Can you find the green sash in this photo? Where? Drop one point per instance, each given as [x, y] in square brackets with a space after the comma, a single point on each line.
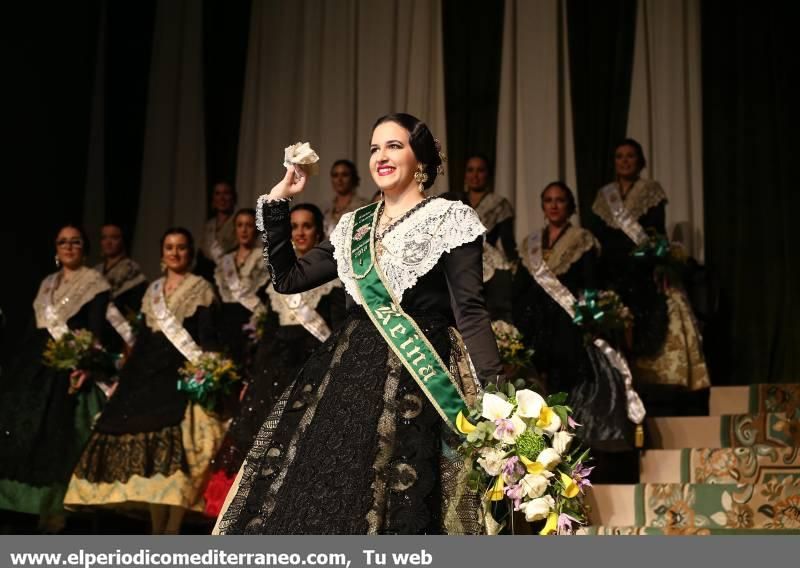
[399, 330]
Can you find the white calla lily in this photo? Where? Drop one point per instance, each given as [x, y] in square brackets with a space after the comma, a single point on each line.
[529, 403]
[495, 407]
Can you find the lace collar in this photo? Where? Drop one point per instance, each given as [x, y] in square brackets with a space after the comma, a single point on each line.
[567, 250]
[643, 196]
[282, 303]
[225, 236]
[123, 276]
[413, 246]
[70, 297]
[493, 209]
[193, 292]
[493, 260]
[252, 274]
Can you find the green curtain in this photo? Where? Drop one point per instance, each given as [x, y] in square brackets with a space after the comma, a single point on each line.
[600, 38]
[473, 40]
[751, 198]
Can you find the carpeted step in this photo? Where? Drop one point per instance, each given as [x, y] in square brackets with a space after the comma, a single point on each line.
[675, 531]
[728, 431]
[771, 505]
[756, 464]
[754, 399]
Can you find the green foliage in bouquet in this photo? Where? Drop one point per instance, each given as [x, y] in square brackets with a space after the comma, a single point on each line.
[207, 380]
[601, 313]
[669, 259]
[77, 350]
[513, 353]
[518, 444]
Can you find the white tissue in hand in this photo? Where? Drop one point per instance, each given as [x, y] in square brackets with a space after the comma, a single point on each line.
[302, 157]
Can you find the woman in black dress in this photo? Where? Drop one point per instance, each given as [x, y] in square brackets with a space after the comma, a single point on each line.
[44, 426]
[292, 327]
[558, 263]
[356, 445]
[151, 447]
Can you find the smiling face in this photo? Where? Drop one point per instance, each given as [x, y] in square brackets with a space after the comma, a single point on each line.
[304, 231]
[392, 162]
[476, 174]
[176, 254]
[555, 204]
[627, 163]
[342, 180]
[245, 230]
[111, 243]
[69, 247]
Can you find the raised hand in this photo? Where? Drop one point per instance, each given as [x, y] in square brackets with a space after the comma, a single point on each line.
[292, 183]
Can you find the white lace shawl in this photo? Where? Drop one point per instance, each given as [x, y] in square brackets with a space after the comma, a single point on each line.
[413, 247]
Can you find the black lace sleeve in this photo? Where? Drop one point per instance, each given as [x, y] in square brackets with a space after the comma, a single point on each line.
[289, 273]
[97, 323]
[463, 268]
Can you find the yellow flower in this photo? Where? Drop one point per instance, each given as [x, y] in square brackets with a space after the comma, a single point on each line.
[533, 467]
[464, 426]
[571, 488]
[551, 526]
[496, 492]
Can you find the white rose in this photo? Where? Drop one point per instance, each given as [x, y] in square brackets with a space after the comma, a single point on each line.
[549, 458]
[491, 461]
[495, 407]
[535, 485]
[561, 441]
[529, 403]
[554, 425]
[537, 509]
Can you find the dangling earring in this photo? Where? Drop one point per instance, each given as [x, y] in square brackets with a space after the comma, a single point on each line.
[58, 262]
[421, 176]
[163, 266]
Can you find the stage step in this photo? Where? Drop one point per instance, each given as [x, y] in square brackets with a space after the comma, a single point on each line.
[771, 505]
[757, 464]
[675, 531]
[754, 399]
[727, 431]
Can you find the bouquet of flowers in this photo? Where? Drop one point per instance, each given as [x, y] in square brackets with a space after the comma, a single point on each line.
[513, 353]
[521, 445]
[208, 379]
[255, 328]
[601, 313]
[669, 258]
[78, 351]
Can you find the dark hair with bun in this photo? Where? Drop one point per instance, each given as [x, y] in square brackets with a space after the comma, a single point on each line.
[421, 140]
[636, 146]
[179, 231]
[86, 248]
[571, 205]
[316, 213]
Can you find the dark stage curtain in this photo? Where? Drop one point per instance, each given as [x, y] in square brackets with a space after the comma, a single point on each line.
[751, 197]
[226, 27]
[129, 41]
[48, 81]
[600, 37]
[473, 40]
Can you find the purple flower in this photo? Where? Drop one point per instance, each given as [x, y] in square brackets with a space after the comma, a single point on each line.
[504, 426]
[515, 493]
[565, 524]
[581, 475]
[572, 423]
[513, 469]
